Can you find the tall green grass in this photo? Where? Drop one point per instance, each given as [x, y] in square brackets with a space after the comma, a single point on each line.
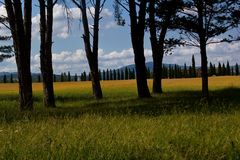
[175, 125]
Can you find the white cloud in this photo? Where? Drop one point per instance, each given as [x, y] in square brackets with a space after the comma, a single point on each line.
[76, 62]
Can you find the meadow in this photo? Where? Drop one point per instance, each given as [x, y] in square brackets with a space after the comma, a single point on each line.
[175, 125]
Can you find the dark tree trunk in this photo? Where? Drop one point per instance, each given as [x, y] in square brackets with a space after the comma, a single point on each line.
[204, 69]
[92, 53]
[202, 36]
[21, 33]
[137, 37]
[157, 47]
[46, 25]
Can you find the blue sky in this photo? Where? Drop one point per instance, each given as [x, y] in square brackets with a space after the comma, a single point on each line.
[114, 48]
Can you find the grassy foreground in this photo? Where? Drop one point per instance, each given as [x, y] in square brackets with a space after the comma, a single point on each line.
[175, 125]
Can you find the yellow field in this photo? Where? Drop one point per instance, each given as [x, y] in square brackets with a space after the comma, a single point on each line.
[168, 85]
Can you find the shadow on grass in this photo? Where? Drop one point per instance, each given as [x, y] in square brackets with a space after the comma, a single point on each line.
[222, 101]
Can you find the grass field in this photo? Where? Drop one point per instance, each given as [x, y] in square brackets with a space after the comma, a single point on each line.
[175, 125]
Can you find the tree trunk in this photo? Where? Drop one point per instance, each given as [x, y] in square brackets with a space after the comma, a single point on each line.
[21, 33]
[204, 68]
[46, 25]
[92, 53]
[203, 51]
[137, 37]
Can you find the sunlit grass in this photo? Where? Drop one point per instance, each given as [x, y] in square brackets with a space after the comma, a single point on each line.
[175, 125]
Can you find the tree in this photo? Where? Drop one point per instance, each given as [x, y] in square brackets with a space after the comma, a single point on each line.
[126, 73]
[118, 75]
[4, 78]
[228, 70]
[39, 78]
[219, 69]
[201, 21]
[108, 74]
[114, 74]
[223, 70]
[20, 25]
[237, 69]
[161, 15]
[92, 52]
[122, 75]
[104, 75]
[11, 78]
[46, 29]
[194, 74]
[137, 13]
[75, 77]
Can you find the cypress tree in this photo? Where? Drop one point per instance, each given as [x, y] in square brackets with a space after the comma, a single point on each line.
[54, 78]
[237, 69]
[107, 74]
[114, 74]
[214, 70]
[224, 71]
[232, 71]
[39, 78]
[190, 72]
[185, 71]
[69, 77]
[11, 78]
[100, 75]
[194, 74]
[75, 77]
[111, 75]
[89, 76]
[4, 79]
[228, 69]
[126, 74]
[104, 75]
[219, 69]
[122, 75]
[118, 74]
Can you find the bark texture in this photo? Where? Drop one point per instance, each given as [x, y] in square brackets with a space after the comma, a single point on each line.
[137, 37]
[46, 29]
[21, 24]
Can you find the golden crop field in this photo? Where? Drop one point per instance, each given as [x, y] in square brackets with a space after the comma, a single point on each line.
[168, 85]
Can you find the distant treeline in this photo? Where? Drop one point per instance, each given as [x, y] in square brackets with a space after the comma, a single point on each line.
[170, 72]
